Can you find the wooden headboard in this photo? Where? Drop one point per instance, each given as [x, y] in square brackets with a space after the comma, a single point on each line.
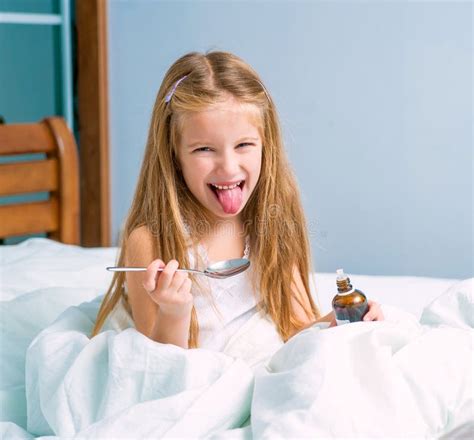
[57, 173]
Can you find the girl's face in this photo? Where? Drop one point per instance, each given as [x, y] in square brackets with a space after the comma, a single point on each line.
[220, 155]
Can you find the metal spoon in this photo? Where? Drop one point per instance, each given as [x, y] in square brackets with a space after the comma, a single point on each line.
[221, 269]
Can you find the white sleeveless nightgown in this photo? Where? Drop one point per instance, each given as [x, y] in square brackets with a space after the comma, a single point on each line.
[233, 298]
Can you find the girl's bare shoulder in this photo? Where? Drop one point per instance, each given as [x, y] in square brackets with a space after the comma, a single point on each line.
[139, 246]
[140, 234]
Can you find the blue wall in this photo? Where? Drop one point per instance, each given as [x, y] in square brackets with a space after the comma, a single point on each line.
[375, 100]
[30, 79]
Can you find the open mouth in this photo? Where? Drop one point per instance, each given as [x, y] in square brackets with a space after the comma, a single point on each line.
[214, 189]
[230, 197]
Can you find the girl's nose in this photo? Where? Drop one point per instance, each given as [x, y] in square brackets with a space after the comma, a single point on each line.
[228, 162]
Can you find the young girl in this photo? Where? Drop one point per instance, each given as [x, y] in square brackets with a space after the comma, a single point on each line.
[215, 184]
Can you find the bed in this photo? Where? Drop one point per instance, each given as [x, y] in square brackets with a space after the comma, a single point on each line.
[409, 376]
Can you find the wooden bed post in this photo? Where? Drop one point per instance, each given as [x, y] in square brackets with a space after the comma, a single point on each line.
[57, 174]
[91, 22]
[68, 193]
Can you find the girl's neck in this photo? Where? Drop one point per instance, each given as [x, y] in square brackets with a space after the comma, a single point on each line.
[225, 240]
[227, 228]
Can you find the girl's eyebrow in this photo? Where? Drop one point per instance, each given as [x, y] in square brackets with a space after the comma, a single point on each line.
[247, 138]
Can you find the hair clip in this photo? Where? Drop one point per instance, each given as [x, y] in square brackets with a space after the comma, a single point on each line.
[176, 84]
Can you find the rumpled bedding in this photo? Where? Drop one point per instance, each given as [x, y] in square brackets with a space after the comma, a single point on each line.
[380, 379]
[124, 385]
[383, 379]
[403, 377]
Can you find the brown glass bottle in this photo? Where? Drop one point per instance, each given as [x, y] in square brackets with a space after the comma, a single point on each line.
[349, 305]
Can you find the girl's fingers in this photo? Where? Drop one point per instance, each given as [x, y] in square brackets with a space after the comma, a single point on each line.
[166, 276]
[185, 288]
[178, 279]
[149, 284]
[374, 313]
[166, 279]
[170, 289]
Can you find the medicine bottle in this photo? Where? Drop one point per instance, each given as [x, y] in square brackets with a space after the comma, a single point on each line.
[349, 305]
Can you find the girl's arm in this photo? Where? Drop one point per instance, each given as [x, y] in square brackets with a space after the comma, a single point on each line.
[161, 302]
[299, 297]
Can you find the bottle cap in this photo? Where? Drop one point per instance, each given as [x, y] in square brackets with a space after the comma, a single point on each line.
[344, 286]
[340, 274]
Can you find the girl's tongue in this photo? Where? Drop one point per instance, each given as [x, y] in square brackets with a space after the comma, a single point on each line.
[230, 199]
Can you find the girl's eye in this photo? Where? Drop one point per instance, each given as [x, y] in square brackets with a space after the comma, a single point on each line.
[204, 149]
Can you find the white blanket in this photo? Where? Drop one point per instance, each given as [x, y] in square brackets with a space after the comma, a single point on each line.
[379, 379]
[396, 378]
[122, 384]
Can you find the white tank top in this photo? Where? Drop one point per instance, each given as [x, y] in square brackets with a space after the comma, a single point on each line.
[232, 297]
[220, 315]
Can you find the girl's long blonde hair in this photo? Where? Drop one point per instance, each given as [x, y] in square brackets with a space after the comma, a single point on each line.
[273, 217]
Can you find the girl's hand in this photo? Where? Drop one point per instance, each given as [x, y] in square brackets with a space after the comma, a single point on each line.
[374, 313]
[169, 289]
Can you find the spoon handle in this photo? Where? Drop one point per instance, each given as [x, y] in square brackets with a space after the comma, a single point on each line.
[143, 269]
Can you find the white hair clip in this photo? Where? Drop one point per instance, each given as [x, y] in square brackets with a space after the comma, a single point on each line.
[176, 84]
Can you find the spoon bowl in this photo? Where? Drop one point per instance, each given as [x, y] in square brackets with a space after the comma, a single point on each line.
[219, 270]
